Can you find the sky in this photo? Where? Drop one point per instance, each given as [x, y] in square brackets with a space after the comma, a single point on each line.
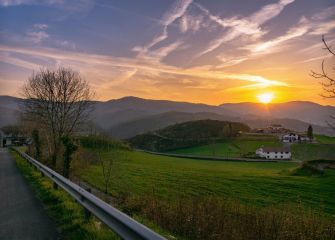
[208, 51]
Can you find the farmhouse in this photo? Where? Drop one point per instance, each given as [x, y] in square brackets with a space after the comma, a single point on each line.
[294, 137]
[274, 152]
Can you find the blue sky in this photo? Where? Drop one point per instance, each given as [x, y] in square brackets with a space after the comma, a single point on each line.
[185, 50]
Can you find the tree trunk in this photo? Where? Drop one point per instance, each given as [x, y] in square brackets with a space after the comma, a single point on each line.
[54, 156]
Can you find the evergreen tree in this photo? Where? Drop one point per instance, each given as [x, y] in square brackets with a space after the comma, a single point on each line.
[37, 143]
[70, 148]
[310, 132]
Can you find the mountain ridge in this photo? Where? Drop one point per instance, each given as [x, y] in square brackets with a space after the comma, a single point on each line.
[158, 113]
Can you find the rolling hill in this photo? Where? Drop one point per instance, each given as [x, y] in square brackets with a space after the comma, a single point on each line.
[158, 121]
[187, 134]
[129, 116]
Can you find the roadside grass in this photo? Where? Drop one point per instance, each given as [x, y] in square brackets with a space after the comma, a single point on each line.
[216, 218]
[237, 147]
[259, 184]
[65, 212]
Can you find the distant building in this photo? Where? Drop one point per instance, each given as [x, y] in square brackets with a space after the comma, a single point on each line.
[5, 140]
[274, 153]
[8, 139]
[276, 127]
[294, 137]
[272, 129]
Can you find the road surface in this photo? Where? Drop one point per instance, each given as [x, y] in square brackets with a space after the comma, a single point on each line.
[21, 213]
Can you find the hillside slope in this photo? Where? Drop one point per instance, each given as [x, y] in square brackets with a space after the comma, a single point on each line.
[158, 121]
[187, 134]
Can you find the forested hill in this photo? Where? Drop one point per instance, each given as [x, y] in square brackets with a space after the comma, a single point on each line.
[187, 134]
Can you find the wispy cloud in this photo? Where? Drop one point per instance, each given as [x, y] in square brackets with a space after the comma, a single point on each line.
[91, 64]
[270, 46]
[236, 27]
[41, 26]
[191, 23]
[71, 6]
[176, 11]
[37, 33]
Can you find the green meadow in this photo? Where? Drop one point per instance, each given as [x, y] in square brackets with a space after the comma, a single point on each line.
[245, 146]
[237, 147]
[257, 184]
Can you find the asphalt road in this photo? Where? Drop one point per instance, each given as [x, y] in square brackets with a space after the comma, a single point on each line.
[21, 214]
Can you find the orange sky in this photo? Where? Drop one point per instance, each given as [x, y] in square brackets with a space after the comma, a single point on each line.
[183, 50]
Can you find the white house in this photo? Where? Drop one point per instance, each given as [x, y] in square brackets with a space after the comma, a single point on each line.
[274, 152]
[294, 137]
[290, 138]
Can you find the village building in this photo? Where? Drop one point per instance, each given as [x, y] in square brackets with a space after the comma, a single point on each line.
[274, 153]
[8, 139]
[5, 140]
[294, 138]
[276, 127]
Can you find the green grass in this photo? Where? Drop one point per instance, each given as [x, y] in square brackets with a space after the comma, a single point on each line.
[239, 147]
[66, 213]
[308, 151]
[325, 139]
[260, 184]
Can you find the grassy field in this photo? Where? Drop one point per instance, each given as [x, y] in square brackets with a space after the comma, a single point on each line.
[325, 139]
[238, 147]
[246, 145]
[307, 151]
[260, 184]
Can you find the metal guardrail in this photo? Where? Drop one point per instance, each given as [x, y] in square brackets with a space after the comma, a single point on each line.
[120, 223]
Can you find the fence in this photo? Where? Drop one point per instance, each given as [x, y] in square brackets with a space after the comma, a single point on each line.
[120, 223]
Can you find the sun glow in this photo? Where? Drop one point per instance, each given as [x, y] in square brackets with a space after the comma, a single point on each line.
[265, 97]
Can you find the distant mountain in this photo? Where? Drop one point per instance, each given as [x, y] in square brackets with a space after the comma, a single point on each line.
[129, 116]
[114, 112]
[161, 120]
[9, 110]
[304, 111]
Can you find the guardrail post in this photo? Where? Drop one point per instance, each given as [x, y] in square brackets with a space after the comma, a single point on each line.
[87, 213]
[55, 186]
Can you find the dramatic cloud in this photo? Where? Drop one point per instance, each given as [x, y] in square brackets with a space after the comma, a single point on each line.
[243, 26]
[209, 52]
[176, 11]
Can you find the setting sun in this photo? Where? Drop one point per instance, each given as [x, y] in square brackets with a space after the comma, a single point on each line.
[265, 97]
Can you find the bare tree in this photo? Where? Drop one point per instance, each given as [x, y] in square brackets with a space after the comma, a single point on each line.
[59, 101]
[327, 79]
[106, 164]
